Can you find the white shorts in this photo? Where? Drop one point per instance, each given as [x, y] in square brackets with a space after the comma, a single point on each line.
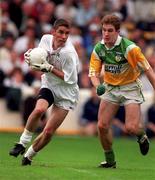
[125, 94]
[65, 97]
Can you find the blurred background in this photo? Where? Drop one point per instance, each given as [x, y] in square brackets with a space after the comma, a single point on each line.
[22, 24]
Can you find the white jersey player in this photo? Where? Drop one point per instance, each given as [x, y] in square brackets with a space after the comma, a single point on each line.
[59, 87]
[65, 91]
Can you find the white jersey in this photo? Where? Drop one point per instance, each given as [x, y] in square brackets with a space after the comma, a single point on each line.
[66, 60]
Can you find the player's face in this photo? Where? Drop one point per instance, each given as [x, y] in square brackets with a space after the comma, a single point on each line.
[60, 35]
[109, 34]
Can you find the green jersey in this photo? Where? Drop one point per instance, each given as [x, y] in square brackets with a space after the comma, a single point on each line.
[122, 63]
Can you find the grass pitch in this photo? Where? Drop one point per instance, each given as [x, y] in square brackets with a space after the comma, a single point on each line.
[77, 158]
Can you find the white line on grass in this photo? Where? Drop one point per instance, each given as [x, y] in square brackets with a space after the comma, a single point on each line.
[84, 171]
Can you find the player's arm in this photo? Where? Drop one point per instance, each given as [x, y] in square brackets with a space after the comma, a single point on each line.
[100, 88]
[48, 68]
[44, 67]
[151, 76]
[70, 66]
[137, 59]
[95, 67]
[95, 81]
[58, 73]
[94, 73]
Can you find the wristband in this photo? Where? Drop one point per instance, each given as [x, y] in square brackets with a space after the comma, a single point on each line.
[100, 89]
[51, 68]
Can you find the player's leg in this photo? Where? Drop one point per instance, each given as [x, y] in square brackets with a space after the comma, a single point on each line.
[57, 117]
[45, 99]
[107, 111]
[135, 126]
[32, 122]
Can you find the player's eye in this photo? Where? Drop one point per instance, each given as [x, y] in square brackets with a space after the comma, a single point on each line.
[108, 30]
[61, 32]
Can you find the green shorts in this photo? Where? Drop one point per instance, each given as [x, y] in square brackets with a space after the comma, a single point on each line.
[125, 94]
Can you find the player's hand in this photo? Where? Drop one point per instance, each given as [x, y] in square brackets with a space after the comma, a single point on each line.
[100, 89]
[45, 67]
[27, 56]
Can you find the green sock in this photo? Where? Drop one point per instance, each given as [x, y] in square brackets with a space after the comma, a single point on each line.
[110, 156]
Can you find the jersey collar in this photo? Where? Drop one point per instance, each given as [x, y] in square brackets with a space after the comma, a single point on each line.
[117, 42]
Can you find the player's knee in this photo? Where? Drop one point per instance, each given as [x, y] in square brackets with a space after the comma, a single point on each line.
[48, 133]
[103, 127]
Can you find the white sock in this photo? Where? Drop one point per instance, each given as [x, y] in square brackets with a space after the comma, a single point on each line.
[30, 153]
[25, 137]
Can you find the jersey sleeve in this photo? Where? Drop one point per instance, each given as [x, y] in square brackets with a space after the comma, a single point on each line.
[95, 65]
[137, 59]
[70, 68]
[44, 42]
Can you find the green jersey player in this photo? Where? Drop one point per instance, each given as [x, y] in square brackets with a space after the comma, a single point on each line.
[123, 63]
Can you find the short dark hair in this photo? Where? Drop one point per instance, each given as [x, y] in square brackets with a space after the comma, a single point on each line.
[111, 19]
[61, 22]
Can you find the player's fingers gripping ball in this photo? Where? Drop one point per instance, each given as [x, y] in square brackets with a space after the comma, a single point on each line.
[38, 56]
[45, 67]
[27, 56]
[100, 89]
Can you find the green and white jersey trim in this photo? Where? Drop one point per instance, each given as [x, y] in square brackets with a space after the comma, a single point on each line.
[129, 48]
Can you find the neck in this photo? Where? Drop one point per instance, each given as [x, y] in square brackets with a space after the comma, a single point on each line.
[109, 45]
[54, 45]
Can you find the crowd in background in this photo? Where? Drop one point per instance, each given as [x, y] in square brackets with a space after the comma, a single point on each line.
[23, 22]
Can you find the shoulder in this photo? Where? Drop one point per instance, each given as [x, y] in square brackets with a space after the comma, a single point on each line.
[68, 48]
[99, 48]
[99, 45]
[126, 42]
[128, 45]
[46, 37]
[45, 41]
